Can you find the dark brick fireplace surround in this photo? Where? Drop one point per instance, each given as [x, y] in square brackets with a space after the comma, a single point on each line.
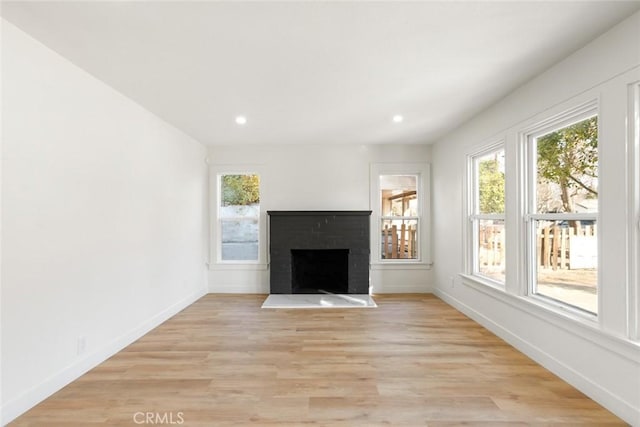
[315, 251]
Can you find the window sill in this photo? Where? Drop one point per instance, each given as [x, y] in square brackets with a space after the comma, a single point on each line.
[540, 303]
[239, 266]
[562, 309]
[473, 280]
[401, 266]
[578, 323]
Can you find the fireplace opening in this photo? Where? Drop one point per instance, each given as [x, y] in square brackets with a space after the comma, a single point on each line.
[317, 270]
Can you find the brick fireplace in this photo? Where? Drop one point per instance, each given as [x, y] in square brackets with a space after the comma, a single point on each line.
[319, 251]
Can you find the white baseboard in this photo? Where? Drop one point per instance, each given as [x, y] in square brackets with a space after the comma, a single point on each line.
[256, 288]
[245, 288]
[19, 405]
[399, 288]
[609, 400]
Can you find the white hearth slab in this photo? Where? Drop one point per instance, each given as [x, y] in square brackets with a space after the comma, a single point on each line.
[319, 301]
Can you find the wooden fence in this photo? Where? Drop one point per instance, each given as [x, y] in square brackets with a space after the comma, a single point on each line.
[567, 247]
[557, 247]
[491, 246]
[399, 243]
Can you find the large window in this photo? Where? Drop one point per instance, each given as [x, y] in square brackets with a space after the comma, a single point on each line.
[562, 211]
[399, 201]
[487, 214]
[238, 217]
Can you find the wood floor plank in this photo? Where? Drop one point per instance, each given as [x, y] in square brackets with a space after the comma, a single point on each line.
[413, 361]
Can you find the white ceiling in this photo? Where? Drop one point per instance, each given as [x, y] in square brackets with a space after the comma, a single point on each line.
[315, 72]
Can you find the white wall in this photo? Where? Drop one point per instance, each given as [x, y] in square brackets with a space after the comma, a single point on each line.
[600, 358]
[328, 177]
[1, 234]
[103, 219]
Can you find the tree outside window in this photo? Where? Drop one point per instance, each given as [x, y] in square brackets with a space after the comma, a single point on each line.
[563, 239]
[239, 217]
[487, 209]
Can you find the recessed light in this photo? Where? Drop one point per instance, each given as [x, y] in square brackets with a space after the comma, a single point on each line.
[397, 118]
[241, 120]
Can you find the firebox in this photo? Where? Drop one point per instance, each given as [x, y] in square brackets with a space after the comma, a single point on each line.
[319, 270]
[319, 251]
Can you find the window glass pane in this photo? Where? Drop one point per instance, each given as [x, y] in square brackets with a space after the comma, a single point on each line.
[240, 211]
[239, 239]
[240, 190]
[239, 214]
[399, 239]
[399, 195]
[566, 262]
[490, 183]
[490, 241]
[567, 169]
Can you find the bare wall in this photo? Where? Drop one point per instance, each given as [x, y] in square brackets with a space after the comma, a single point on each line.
[103, 221]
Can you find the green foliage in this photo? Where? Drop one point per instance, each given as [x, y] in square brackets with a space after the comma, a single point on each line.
[569, 158]
[491, 185]
[240, 190]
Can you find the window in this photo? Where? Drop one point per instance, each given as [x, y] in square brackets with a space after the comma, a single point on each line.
[400, 216]
[487, 214]
[238, 217]
[562, 211]
[634, 209]
[399, 226]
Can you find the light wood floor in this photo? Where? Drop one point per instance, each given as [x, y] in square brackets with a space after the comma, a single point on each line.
[413, 361]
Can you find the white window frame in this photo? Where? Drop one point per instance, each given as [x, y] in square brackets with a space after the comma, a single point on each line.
[473, 217]
[633, 145]
[422, 172]
[562, 120]
[215, 253]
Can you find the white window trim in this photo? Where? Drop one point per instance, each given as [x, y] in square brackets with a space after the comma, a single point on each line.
[215, 261]
[469, 229]
[633, 146]
[422, 171]
[528, 203]
[596, 330]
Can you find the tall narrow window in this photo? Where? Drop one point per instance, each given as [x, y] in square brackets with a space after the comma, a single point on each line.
[400, 217]
[238, 217]
[400, 206]
[486, 216]
[563, 212]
